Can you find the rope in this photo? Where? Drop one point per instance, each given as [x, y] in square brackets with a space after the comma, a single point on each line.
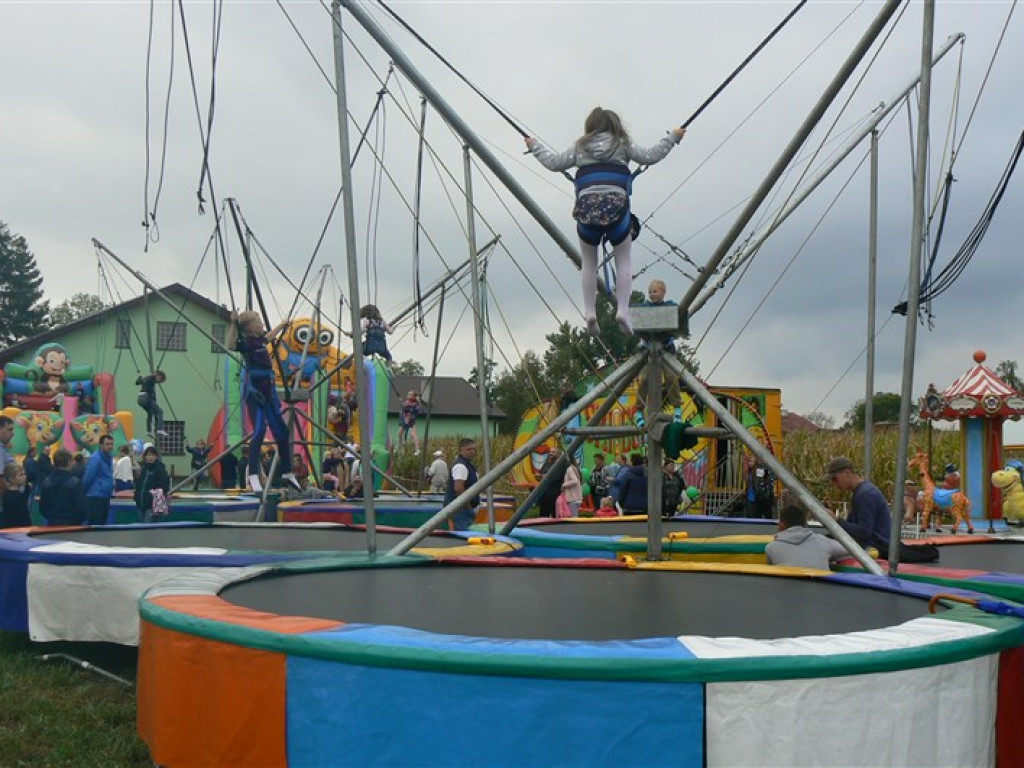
[417, 195]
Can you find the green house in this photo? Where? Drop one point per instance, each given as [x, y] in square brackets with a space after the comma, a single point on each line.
[143, 334]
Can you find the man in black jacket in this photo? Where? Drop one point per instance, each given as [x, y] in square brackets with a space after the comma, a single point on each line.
[62, 495]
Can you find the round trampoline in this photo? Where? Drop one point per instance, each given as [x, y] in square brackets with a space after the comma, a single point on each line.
[512, 662]
[209, 507]
[688, 538]
[394, 510]
[83, 584]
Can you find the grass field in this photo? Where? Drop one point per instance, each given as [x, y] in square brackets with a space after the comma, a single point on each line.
[52, 713]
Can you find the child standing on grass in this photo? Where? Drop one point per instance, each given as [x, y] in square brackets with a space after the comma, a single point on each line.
[603, 186]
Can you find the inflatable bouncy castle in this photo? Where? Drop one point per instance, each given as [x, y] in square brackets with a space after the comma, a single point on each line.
[55, 404]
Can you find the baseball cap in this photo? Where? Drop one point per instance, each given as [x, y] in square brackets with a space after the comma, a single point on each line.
[837, 465]
[438, 453]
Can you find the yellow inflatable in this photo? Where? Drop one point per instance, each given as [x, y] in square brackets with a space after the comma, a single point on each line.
[1008, 481]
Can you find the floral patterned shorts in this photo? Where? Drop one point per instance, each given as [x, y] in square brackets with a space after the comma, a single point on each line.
[600, 209]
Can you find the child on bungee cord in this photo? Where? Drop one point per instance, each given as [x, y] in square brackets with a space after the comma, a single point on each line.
[603, 186]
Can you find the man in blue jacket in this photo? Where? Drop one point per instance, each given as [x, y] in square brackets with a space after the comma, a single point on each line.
[633, 487]
[99, 482]
[869, 521]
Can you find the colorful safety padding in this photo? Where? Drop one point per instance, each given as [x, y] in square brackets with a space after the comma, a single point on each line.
[224, 685]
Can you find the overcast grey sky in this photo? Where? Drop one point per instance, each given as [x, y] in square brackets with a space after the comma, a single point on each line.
[73, 164]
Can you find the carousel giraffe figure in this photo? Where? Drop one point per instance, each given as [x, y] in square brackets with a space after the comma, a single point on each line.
[940, 498]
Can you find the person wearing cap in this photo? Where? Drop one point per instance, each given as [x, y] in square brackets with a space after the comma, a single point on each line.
[437, 473]
[869, 521]
[797, 545]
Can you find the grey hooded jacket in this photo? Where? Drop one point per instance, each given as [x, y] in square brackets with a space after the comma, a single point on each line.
[798, 546]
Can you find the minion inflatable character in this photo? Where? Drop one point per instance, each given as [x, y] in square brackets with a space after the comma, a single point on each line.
[302, 350]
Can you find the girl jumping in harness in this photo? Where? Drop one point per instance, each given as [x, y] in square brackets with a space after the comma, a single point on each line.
[603, 186]
[375, 327]
[260, 395]
[148, 402]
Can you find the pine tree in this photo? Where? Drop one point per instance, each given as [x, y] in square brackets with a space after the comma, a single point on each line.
[23, 312]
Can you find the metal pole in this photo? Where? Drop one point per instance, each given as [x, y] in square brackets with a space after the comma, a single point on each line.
[466, 133]
[433, 382]
[610, 399]
[353, 281]
[914, 288]
[149, 284]
[655, 453]
[478, 329]
[627, 371]
[788, 479]
[786, 157]
[869, 375]
[751, 246]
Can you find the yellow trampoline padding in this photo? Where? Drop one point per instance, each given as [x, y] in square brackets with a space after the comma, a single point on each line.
[720, 567]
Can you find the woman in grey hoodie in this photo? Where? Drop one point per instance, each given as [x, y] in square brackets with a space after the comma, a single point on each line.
[603, 185]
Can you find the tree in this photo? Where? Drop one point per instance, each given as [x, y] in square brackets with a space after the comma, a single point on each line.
[1007, 371]
[78, 306]
[23, 312]
[822, 420]
[520, 388]
[409, 368]
[489, 366]
[886, 408]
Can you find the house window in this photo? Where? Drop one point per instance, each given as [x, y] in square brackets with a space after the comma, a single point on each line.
[219, 331]
[123, 334]
[170, 336]
[174, 443]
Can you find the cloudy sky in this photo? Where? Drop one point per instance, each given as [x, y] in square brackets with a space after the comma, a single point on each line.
[77, 162]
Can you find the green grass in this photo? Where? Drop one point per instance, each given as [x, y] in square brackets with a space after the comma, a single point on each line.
[53, 713]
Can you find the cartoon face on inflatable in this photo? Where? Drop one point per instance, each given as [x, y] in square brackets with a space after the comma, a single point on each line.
[303, 334]
[88, 431]
[41, 428]
[52, 361]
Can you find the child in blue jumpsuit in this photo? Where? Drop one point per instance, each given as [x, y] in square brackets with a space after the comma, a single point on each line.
[375, 327]
[260, 396]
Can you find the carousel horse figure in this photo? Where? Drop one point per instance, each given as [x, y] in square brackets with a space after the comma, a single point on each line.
[1008, 480]
[940, 498]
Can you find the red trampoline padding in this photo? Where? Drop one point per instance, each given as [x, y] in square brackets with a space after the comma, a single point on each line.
[212, 607]
[1009, 734]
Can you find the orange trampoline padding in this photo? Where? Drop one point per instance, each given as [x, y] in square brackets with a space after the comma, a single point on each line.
[227, 698]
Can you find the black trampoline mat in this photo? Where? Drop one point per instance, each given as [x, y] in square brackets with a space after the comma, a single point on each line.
[638, 528]
[577, 603]
[1005, 556]
[269, 538]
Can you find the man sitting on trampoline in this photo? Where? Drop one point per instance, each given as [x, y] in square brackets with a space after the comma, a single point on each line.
[796, 545]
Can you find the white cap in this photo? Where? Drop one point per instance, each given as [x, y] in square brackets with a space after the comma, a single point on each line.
[439, 453]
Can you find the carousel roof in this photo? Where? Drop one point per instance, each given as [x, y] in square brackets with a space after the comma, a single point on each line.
[978, 393]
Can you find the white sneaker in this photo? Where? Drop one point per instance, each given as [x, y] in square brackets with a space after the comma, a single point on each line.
[161, 433]
[255, 484]
[289, 477]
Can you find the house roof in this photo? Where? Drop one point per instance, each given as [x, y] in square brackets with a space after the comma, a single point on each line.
[449, 396]
[29, 345]
[794, 422]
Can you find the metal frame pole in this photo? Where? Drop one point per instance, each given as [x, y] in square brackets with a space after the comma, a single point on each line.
[786, 157]
[869, 374]
[478, 329]
[210, 463]
[655, 453]
[462, 128]
[626, 371]
[751, 246]
[531, 499]
[914, 288]
[353, 279]
[788, 479]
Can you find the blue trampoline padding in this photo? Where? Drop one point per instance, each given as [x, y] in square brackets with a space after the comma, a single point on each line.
[14, 597]
[384, 635]
[557, 553]
[344, 715]
[905, 586]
